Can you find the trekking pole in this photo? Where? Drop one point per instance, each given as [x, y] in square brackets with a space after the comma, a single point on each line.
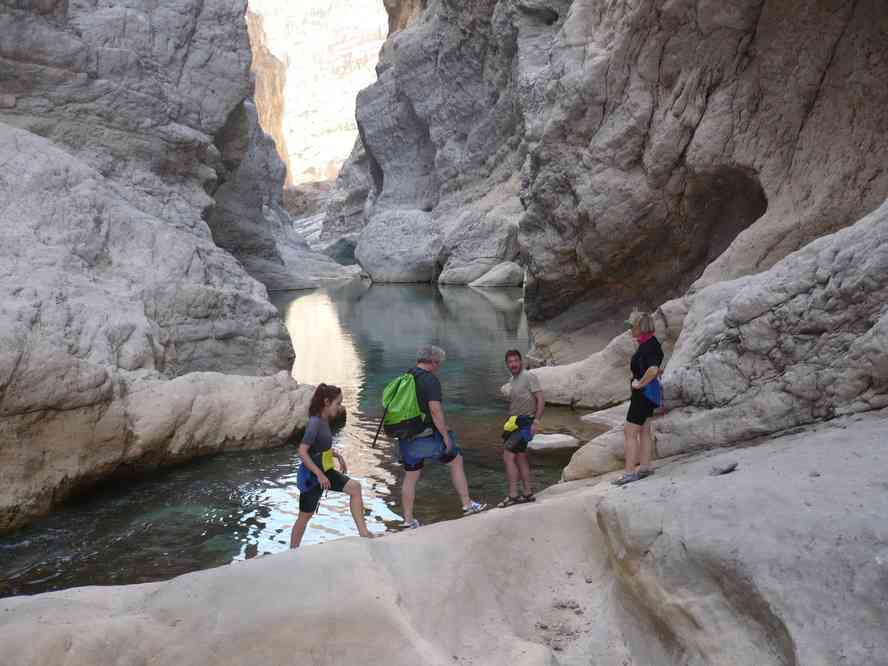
[379, 429]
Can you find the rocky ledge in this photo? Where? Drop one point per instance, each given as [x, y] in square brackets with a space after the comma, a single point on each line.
[784, 561]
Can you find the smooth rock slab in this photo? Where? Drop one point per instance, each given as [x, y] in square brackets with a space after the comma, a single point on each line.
[553, 441]
[506, 274]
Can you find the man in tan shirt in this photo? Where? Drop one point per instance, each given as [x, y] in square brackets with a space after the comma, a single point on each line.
[526, 405]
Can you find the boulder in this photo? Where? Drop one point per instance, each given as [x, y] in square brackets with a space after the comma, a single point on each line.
[802, 342]
[552, 442]
[130, 129]
[681, 568]
[104, 363]
[400, 246]
[506, 274]
[249, 219]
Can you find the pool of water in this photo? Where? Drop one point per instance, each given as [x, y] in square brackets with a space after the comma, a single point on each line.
[235, 506]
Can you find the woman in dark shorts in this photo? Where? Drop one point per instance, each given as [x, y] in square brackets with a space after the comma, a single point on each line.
[318, 472]
[645, 366]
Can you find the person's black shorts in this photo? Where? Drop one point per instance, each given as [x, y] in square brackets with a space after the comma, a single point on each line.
[515, 441]
[640, 408]
[309, 500]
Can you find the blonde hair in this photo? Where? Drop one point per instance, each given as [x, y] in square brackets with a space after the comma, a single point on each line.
[643, 320]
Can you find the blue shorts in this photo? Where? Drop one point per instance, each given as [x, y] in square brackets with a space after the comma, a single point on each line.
[415, 451]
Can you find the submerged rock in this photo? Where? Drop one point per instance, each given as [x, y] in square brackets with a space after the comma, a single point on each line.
[553, 441]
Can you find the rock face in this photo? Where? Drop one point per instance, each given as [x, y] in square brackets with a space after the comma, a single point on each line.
[802, 342]
[270, 75]
[249, 219]
[665, 135]
[682, 568]
[118, 124]
[330, 50]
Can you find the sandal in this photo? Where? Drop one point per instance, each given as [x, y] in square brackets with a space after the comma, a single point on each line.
[626, 478]
[509, 501]
[524, 499]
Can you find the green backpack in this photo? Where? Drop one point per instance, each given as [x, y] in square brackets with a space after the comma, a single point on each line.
[402, 417]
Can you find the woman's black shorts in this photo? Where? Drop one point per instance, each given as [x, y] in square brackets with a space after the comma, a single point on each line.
[640, 408]
[309, 500]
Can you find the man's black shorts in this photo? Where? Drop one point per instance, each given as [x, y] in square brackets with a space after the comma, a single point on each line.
[515, 441]
[308, 501]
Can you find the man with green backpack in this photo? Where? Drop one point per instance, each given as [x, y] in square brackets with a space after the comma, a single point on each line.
[414, 415]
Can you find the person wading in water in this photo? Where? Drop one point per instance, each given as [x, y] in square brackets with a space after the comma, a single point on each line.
[317, 472]
[526, 405]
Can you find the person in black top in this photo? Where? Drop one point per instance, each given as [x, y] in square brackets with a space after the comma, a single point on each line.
[436, 442]
[645, 366]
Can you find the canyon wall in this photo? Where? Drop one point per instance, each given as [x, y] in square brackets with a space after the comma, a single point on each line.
[329, 50]
[125, 134]
[621, 152]
[270, 76]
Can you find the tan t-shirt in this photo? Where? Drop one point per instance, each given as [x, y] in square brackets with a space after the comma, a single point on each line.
[521, 400]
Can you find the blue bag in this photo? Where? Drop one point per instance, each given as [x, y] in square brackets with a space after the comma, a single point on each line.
[305, 479]
[654, 393]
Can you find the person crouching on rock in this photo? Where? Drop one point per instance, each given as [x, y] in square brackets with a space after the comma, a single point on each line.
[317, 472]
[526, 405]
[645, 367]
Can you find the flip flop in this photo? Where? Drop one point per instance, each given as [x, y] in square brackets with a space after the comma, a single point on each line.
[509, 501]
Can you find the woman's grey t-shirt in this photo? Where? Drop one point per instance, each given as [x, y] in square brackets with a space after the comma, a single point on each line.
[318, 435]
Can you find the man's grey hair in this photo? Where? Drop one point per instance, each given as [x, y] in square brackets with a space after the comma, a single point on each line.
[430, 353]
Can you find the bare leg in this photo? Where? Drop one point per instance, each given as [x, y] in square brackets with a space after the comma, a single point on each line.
[646, 445]
[299, 529]
[511, 472]
[630, 435]
[408, 493]
[356, 504]
[526, 473]
[458, 479]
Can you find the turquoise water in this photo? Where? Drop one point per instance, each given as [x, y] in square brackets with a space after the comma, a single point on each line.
[239, 505]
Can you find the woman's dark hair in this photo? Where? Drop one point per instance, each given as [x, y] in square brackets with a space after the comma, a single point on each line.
[322, 394]
[513, 352]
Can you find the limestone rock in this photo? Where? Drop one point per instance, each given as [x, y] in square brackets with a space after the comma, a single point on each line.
[330, 51]
[506, 274]
[92, 331]
[633, 145]
[249, 219]
[611, 417]
[802, 342]
[681, 568]
[126, 121]
[270, 74]
[400, 246]
[552, 441]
